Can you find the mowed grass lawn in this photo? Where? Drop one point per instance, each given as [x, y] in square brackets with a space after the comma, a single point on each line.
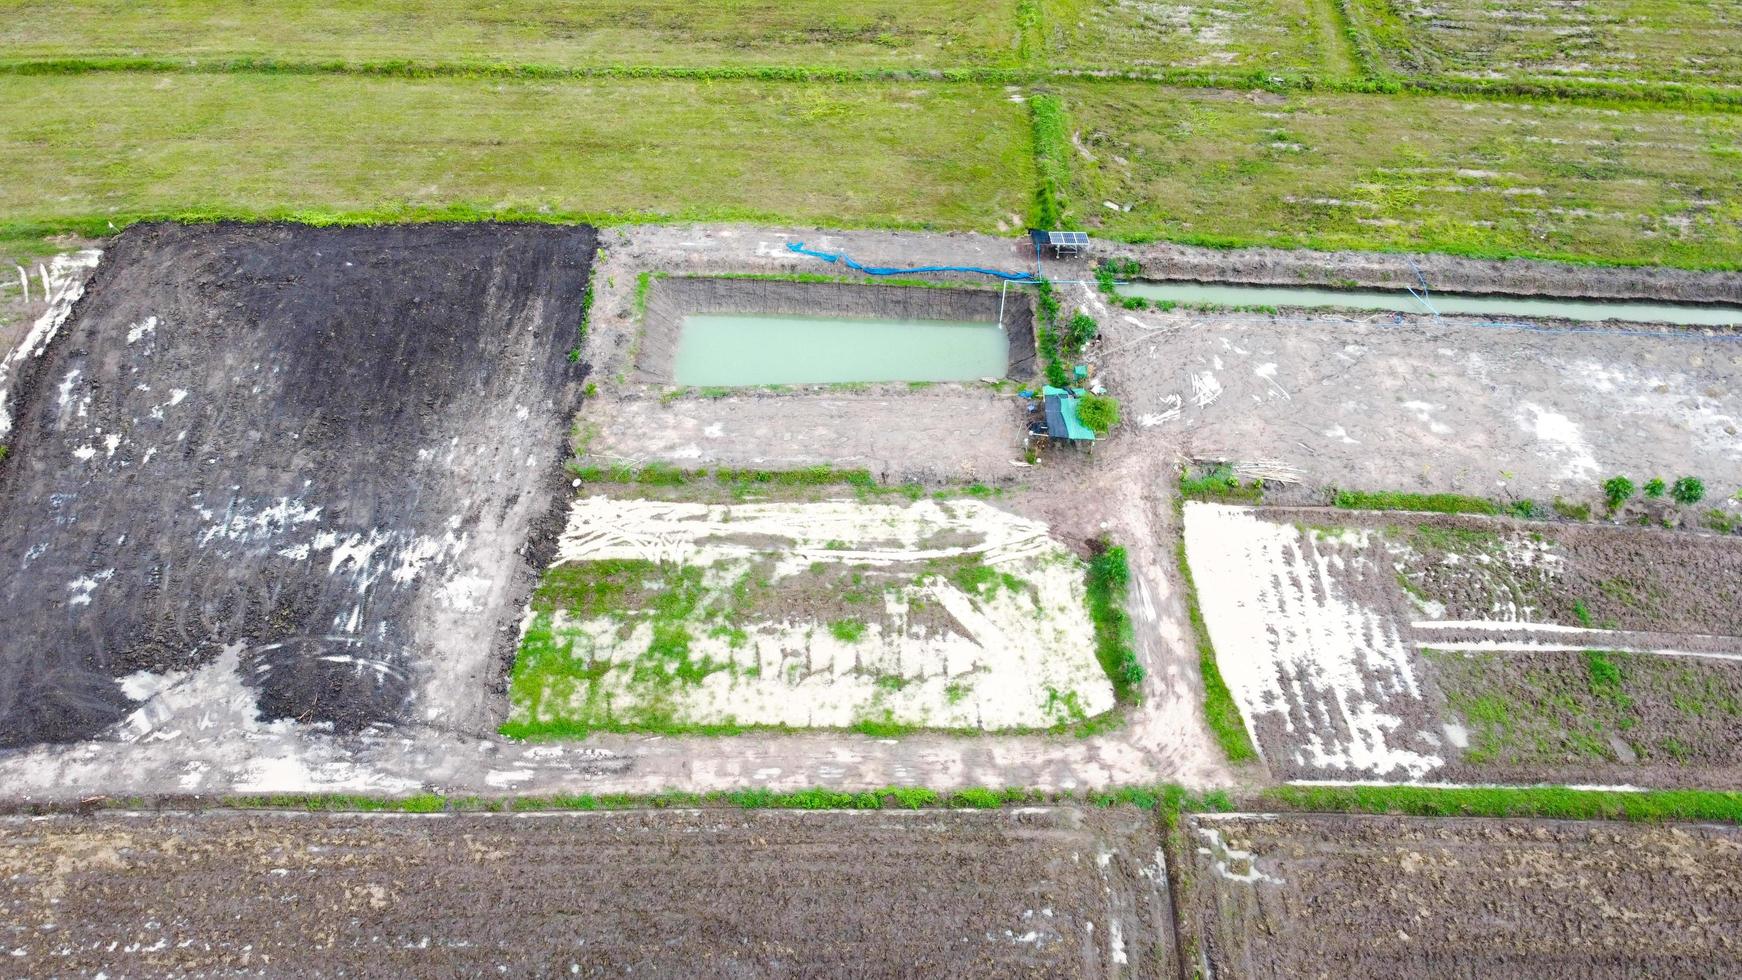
[1475, 177]
[953, 155]
[937, 33]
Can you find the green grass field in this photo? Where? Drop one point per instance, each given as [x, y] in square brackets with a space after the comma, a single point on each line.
[877, 33]
[1290, 36]
[1257, 122]
[1631, 41]
[1477, 177]
[951, 156]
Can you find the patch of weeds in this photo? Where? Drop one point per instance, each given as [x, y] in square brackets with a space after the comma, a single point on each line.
[1109, 579]
[1219, 483]
[956, 692]
[1437, 503]
[1064, 708]
[890, 682]
[1714, 519]
[1542, 802]
[1572, 511]
[850, 631]
[1456, 540]
[1583, 614]
[1654, 487]
[643, 285]
[1526, 509]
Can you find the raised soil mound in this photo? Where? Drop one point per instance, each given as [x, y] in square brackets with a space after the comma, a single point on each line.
[320, 452]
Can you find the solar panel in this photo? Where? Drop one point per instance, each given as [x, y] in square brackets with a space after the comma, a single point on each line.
[1067, 238]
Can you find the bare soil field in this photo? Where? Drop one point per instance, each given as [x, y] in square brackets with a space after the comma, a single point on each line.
[285, 468]
[1453, 649]
[1033, 892]
[1290, 896]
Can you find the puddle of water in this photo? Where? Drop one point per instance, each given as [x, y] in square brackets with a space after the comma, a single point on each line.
[767, 349]
[1234, 294]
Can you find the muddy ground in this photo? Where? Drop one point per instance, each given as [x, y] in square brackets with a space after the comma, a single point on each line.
[1058, 892]
[1290, 896]
[291, 463]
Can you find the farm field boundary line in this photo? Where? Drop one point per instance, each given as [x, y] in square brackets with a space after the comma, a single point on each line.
[1605, 93]
[1548, 802]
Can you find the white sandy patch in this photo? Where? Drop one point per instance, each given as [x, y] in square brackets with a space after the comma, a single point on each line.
[1011, 658]
[1296, 648]
[1562, 440]
[64, 283]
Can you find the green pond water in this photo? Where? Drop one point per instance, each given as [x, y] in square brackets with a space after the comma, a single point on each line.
[1230, 294]
[719, 350]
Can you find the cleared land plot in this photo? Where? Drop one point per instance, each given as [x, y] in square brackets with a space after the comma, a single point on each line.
[273, 474]
[598, 32]
[1396, 897]
[680, 616]
[80, 146]
[1057, 893]
[1345, 664]
[1698, 41]
[1133, 35]
[1365, 172]
[1591, 715]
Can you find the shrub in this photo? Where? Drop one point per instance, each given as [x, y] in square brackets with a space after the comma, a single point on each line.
[1098, 412]
[1654, 487]
[1616, 490]
[1524, 508]
[1080, 330]
[1688, 490]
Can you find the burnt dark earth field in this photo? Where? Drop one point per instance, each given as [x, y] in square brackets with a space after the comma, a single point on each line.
[316, 463]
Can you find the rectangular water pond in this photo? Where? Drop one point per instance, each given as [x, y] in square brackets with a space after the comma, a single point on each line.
[717, 350]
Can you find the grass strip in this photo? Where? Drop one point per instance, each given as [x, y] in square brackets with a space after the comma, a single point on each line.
[1549, 802]
[1109, 582]
[1220, 711]
[1051, 159]
[1435, 503]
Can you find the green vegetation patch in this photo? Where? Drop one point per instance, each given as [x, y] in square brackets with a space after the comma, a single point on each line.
[1332, 171]
[79, 151]
[1547, 802]
[1232, 35]
[1436, 503]
[1115, 642]
[1628, 41]
[1536, 709]
[599, 33]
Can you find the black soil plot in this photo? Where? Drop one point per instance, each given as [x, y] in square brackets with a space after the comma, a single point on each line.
[319, 463]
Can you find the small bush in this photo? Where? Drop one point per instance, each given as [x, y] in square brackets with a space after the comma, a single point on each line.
[4, 452]
[1688, 490]
[1526, 509]
[1617, 490]
[1654, 487]
[1081, 329]
[1098, 412]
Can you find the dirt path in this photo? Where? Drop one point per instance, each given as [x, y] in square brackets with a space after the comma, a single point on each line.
[1053, 893]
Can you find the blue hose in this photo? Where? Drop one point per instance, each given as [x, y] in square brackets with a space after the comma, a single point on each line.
[870, 271]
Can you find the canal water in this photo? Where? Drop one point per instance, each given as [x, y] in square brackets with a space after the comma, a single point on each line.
[1231, 294]
[719, 350]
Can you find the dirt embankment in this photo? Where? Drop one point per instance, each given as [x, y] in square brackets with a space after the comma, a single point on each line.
[671, 299]
[1520, 277]
[1398, 898]
[1031, 893]
[289, 465]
